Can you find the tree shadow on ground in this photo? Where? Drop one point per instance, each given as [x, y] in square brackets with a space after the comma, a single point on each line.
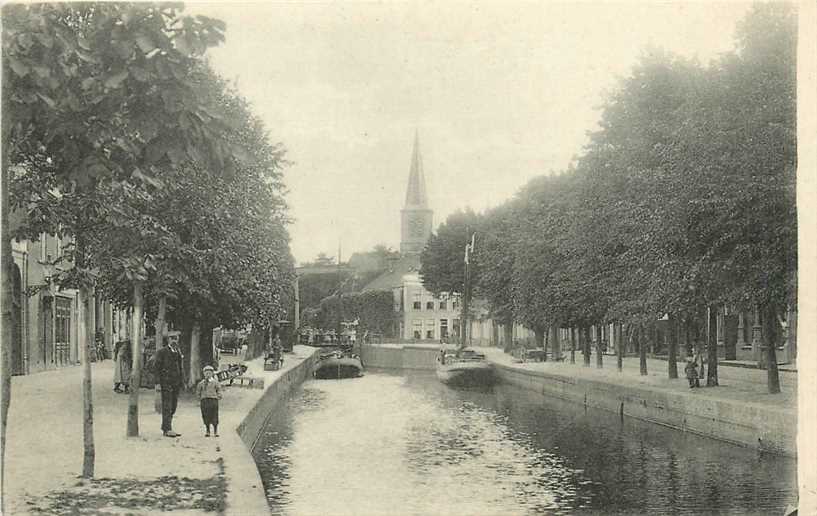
[134, 496]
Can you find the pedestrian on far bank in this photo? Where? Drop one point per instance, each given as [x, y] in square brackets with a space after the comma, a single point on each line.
[170, 379]
[691, 371]
[209, 392]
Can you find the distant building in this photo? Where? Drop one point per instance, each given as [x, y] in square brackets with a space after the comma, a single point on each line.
[423, 316]
[367, 262]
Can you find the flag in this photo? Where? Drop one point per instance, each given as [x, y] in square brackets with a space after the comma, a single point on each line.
[469, 248]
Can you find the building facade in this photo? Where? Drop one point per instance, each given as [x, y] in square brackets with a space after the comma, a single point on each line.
[426, 316]
[49, 322]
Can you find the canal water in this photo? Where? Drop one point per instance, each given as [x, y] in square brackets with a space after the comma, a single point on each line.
[403, 443]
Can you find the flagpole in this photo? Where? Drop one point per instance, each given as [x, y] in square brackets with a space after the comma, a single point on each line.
[466, 335]
[464, 329]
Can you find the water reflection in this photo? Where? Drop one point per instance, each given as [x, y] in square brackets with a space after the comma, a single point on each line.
[406, 444]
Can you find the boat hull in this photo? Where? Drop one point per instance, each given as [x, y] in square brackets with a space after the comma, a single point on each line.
[466, 373]
[337, 368]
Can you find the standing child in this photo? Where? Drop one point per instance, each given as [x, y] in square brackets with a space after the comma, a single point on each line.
[691, 371]
[209, 391]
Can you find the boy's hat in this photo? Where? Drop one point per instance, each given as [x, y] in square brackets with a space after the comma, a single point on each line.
[208, 368]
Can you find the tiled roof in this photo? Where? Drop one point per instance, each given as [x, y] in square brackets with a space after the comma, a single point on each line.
[393, 277]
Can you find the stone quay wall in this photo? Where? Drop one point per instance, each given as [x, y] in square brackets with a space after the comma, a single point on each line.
[253, 423]
[245, 493]
[746, 424]
[400, 356]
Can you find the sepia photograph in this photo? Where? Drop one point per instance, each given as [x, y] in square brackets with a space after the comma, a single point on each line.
[317, 258]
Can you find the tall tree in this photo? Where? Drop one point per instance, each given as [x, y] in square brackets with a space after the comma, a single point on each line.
[541, 284]
[442, 261]
[495, 256]
[127, 106]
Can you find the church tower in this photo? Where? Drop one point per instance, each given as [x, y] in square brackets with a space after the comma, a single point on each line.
[416, 217]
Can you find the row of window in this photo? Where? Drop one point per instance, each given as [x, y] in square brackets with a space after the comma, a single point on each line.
[417, 329]
[50, 247]
[418, 305]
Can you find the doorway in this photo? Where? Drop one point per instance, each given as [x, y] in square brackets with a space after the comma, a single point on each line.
[17, 354]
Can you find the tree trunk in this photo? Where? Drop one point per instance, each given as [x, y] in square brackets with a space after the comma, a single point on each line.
[584, 334]
[184, 346]
[557, 344]
[206, 346]
[539, 337]
[99, 323]
[546, 343]
[620, 343]
[88, 449]
[7, 325]
[791, 320]
[695, 336]
[672, 347]
[195, 354]
[642, 351]
[507, 330]
[769, 319]
[108, 328]
[712, 346]
[599, 359]
[572, 345]
[121, 325]
[160, 327]
[136, 370]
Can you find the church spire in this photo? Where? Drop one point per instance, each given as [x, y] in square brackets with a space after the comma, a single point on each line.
[415, 217]
[416, 192]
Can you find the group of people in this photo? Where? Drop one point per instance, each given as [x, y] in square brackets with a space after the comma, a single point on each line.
[170, 380]
[169, 377]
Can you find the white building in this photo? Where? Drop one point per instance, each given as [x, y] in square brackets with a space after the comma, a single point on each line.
[422, 315]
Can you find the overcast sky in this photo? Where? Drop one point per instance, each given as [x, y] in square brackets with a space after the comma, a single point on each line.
[499, 93]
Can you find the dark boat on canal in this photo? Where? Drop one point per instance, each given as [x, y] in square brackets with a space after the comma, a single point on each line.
[464, 367]
[338, 362]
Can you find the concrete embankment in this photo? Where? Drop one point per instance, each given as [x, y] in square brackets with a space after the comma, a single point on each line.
[737, 412]
[762, 426]
[400, 356]
[245, 493]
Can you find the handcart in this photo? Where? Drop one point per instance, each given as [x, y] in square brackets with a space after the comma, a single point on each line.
[274, 359]
[231, 373]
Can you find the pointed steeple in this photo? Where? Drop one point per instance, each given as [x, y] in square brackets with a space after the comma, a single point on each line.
[416, 192]
[415, 217]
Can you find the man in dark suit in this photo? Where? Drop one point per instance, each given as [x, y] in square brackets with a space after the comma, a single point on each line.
[168, 367]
